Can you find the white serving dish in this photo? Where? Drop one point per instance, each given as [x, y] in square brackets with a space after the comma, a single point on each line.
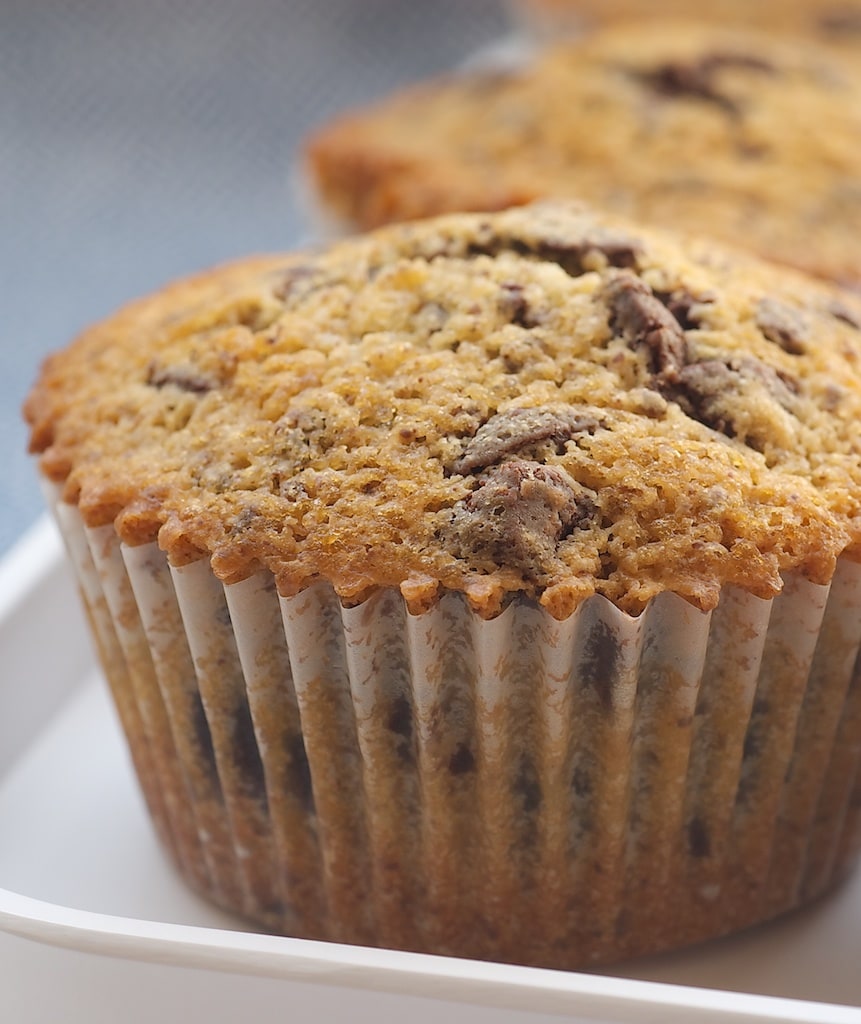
[95, 927]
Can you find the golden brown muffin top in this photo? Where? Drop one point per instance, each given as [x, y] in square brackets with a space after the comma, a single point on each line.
[752, 139]
[543, 401]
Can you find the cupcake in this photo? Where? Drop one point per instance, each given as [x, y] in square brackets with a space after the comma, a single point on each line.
[486, 586]
[833, 22]
[752, 139]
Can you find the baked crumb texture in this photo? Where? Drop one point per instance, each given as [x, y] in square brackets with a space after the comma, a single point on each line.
[737, 134]
[543, 401]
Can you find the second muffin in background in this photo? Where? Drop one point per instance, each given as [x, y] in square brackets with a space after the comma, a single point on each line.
[738, 135]
[832, 22]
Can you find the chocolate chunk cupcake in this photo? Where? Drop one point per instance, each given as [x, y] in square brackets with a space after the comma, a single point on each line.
[485, 586]
[752, 139]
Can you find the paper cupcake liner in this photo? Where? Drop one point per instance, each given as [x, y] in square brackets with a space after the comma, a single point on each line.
[522, 789]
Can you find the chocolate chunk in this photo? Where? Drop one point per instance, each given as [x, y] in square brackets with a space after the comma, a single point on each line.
[782, 387]
[296, 279]
[681, 304]
[517, 516]
[708, 390]
[461, 761]
[618, 250]
[400, 718]
[513, 305]
[573, 256]
[697, 78]
[245, 753]
[515, 429]
[493, 245]
[840, 21]
[782, 325]
[297, 771]
[184, 377]
[753, 743]
[699, 842]
[241, 753]
[687, 80]
[702, 389]
[645, 322]
[600, 663]
[581, 782]
[840, 311]
[400, 722]
[205, 752]
[527, 787]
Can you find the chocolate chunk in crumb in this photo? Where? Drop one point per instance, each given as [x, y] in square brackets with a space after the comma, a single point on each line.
[526, 787]
[782, 325]
[514, 306]
[201, 736]
[645, 322]
[602, 657]
[681, 304]
[297, 771]
[186, 378]
[782, 387]
[400, 718]
[709, 390]
[575, 256]
[461, 761]
[581, 782]
[840, 311]
[517, 516]
[302, 276]
[696, 78]
[840, 21]
[676, 79]
[515, 429]
[699, 842]
[245, 753]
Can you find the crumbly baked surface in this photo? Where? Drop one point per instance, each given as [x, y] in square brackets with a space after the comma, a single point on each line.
[749, 138]
[834, 22]
[543, 401]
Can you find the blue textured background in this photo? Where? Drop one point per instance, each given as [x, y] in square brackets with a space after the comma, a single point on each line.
[142, 139]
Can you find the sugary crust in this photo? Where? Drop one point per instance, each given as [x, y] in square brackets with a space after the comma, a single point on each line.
[737, 134]
[349, 415]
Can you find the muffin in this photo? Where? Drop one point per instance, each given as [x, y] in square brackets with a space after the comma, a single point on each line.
[752, 139]
[833, 22]
[486, 586]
